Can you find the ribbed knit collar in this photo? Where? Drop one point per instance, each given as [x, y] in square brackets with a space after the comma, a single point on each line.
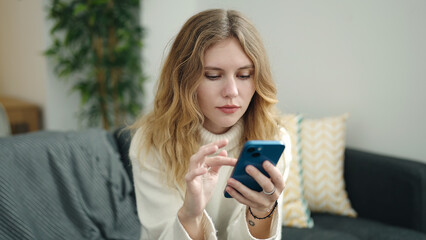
[233, 135]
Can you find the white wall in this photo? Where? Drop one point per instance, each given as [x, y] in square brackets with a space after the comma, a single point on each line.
[22, 65]
[161, 24]
[62, 105]
[24, 71]
[329, 57]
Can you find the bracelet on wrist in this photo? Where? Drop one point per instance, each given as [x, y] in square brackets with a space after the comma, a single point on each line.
[269, 215]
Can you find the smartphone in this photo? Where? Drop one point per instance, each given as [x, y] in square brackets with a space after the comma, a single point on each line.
[255, 153]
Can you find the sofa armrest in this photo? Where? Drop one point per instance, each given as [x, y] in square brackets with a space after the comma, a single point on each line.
[388, 189]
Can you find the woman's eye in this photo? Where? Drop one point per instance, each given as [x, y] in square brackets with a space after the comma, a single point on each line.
[245, 76]
[212, 76]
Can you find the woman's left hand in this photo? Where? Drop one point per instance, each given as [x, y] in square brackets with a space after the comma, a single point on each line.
[261, 203]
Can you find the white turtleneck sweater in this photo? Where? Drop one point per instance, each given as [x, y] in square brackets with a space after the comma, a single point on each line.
[224, 218]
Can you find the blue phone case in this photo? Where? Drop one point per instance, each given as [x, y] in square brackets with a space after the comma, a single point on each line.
[255, 153]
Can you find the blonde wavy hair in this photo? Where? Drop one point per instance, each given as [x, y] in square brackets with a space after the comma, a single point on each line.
[171, 128]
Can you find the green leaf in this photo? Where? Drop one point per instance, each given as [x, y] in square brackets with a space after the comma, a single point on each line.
[99, 2]
[51, 51]
[80, 8]
[92, 20]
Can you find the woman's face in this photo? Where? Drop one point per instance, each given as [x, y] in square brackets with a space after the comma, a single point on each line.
[227, 87]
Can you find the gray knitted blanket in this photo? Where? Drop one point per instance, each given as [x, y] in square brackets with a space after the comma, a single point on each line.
[71, 185]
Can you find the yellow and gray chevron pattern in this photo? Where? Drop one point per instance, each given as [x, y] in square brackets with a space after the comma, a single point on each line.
[323, 145]
[295, 209]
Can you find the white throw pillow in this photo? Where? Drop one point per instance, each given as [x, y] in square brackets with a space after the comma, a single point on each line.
[323, 147]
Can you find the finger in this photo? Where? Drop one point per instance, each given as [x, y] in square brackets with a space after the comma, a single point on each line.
[243, 190]
[275, 176]
[218, 161]
[206, 150]
[198, 158]
[221, 143]
[191, 175]
[249, 197]
[223, 153]
[237, 196]
[264, 181]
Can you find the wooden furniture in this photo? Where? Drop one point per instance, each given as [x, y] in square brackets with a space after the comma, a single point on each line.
[23, 116]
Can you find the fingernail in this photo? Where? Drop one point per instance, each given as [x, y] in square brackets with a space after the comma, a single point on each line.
[231, 182]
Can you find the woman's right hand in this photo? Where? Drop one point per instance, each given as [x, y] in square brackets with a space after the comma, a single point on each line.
[201, 180]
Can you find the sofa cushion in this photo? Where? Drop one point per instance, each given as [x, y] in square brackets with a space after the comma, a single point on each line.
[316, 233]
[329, 226]
[365, 229]
[323, 146]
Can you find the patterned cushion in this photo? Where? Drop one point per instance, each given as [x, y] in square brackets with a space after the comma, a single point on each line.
[323, 145]
[295, 209]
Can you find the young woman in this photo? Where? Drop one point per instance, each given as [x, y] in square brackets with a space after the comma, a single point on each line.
[215, 92]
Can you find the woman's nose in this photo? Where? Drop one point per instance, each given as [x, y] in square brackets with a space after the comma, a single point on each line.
[230, 88]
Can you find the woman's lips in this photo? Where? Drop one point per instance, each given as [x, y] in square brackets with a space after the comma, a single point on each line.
[229, 109]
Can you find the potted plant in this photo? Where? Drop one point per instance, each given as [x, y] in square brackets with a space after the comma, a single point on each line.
[96, 44]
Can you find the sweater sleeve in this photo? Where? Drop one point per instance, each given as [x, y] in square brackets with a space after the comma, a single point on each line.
[158, 204]
[238, 228]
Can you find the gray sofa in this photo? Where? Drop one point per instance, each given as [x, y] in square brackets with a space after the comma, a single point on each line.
[77, 185]
[71, 185]
[389, 195]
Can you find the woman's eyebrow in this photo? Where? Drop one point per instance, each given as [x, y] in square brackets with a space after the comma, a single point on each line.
[213, 68]
[220, 69]
[246, 67]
